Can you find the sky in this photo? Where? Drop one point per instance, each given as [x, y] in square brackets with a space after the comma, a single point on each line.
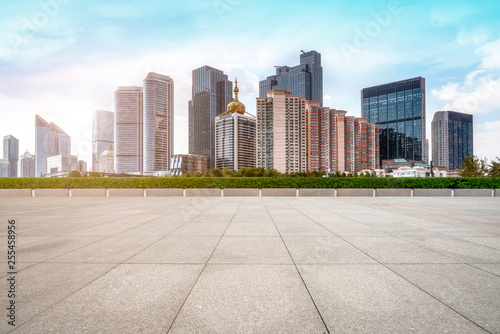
[63, 59]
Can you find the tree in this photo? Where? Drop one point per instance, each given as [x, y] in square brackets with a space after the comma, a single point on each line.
[229, 172]
[74, 173]
[474, 166]
[186, 174]
[94, 174]
[495, 168]
[196, 174]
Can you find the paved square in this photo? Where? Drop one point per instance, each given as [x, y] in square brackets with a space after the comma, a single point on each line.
[253, 265]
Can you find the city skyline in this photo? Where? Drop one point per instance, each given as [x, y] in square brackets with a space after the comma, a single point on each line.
[48, 69]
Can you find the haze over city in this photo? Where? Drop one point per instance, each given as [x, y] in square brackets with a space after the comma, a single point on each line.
[65, 59]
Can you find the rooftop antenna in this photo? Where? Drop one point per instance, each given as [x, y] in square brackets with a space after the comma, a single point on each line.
[302, 51]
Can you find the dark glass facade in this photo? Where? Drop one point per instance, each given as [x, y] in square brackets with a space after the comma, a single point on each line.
[304, 80]
[452, 139]
[399, 110]
[212, 92]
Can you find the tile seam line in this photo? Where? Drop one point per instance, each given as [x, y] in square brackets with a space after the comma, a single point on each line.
[205, 266]
[84, 286]
[405, 279]
[297, 269]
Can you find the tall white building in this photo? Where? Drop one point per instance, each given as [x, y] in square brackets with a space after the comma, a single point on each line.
[128, 129]
[106, 161]
[158, 122]
[50, 140]
[235, 137]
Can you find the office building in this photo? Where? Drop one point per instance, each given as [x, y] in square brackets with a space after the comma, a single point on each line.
[50, 140]
[82, 166]
[27, 165]
[235, 137]
[158, 122]
[304, 80]
[399, 110]
[128, 129]
[61, 164]
[296, 135]
[11, 153]
[103, 134]
[106, 161]
[452, 139]
[211, 93]
[4, 168]
[188, 163]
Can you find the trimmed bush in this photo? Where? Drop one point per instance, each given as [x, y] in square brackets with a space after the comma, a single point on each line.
[249, 182]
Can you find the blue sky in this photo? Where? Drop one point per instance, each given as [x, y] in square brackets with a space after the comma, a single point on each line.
[62, 59]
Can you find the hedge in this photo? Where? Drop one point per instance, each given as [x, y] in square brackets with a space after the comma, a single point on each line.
[253, 182]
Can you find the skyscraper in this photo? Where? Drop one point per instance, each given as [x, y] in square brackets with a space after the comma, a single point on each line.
[27, 168]
[11, 153]
[296, 135]
[399, 110]
[50, 140]
[452, 139]
[128, 129]
[212, 92]
[158, 122]
[304, 80]
[102, 134]
[235, 137]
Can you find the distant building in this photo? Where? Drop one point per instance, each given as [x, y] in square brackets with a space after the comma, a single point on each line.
[103, 134]
[188, 163]
[392, 164]
[128, 130]
[27, 165]
[296, 135]
[211, 93]
[452, 139]
[399, 110]
[11, 153]
[4, 168]
[106, 161]
[304, 80]
[158, 122]
[62, 163]
[235, 137]
[50, 140]
[82, 166]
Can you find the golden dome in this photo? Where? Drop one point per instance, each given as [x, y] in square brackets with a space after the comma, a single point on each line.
[236, 106]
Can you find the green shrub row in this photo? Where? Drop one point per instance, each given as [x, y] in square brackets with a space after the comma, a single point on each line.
[255, 182]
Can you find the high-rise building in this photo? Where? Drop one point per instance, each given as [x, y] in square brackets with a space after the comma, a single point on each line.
[106, 161]
[337, 142]
[11, 153]
[304, 80]
[128, 129]
[50, 140]
[296, 135]
[452, 139]
[103, 134]
[212, 92]
[235, 137]
[158, 122]
[82, 166]
[399, 110]
[27, 165]
[62, 163]
[4, 168]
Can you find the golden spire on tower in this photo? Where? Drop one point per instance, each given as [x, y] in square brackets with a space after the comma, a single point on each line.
[235, 106]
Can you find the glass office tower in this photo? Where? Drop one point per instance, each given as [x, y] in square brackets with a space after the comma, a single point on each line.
[304, 80]
[452, 139]
[50, 140]
[103, 134]
[11, 153]
[399, 110]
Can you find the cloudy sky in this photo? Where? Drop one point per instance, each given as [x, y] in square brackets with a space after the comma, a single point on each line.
[63, 59]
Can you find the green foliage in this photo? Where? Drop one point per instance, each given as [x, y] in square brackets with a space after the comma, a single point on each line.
[229, 172]
[94, 174]
[249, 182]
[474, 166]
[495, 168]
[186, 175]
[74, 173]
[197, 174]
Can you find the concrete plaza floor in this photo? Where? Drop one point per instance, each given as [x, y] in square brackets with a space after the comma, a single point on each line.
[253, 265]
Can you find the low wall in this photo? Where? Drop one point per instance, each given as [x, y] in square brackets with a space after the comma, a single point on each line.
[249, 192]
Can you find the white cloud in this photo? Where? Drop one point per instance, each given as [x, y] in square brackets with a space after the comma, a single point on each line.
[486, 139]
[491, 53]
[448, 92]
